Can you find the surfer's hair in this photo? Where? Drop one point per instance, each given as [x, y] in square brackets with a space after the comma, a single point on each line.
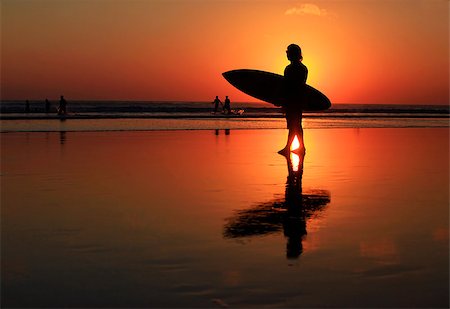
[294, 52]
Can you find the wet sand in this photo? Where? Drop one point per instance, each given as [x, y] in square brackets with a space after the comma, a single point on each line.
[218, 218]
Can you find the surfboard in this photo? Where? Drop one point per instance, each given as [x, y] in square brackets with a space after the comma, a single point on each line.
[269, 87]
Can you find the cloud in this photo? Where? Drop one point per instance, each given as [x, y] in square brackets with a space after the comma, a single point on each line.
[307, 9]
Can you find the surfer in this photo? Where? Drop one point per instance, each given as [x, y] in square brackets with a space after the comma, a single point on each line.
[62, 106]
[227, 106]
[216, 103]
[295, 75]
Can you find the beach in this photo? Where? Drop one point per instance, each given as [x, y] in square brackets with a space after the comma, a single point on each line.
[148, 154]
[216, 218]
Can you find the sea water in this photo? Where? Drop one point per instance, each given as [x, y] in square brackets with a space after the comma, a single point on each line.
[144, 116]
[207, 219]
[186, 214]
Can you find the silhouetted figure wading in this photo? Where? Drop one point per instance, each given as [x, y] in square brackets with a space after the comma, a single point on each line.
[62, 108]
[47, 106]
[227, 106]
[216, 103]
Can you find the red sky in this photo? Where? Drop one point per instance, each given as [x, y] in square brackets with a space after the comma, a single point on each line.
[373, 51]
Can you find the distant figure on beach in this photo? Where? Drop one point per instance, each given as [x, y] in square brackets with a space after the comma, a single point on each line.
[227, 106]
[47, 106]
[216, 103]
[27, 106]
[295, 74]
[62, 108]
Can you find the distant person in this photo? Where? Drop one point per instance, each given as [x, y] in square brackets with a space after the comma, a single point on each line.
[216, 103]
[295, 75]
[62, 108]
[27, 106]
[227, 106]
[47, 106]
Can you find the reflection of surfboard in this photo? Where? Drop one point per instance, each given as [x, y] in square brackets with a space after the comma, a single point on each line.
[269, 87]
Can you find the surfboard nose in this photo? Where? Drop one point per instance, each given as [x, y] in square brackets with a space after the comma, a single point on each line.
[228, 75]
[225, 74]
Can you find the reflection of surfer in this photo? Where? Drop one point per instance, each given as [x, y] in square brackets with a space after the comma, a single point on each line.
[216, 103]
[288, 214]
[294, 222]
[295, 76]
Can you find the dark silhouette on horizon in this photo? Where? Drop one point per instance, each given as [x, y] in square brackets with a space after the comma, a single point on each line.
[295, 75]
[47, 106]
[62, 108]
[216, 103]
[227, 106]
[288, 215]
[27, 106]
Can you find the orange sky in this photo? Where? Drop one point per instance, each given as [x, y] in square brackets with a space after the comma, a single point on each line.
[372, 51]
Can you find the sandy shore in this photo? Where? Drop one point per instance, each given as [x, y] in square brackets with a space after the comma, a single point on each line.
[217, 218]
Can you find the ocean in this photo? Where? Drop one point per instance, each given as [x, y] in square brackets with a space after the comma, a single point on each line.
[194, 219]
[156, 115]
[165, 205]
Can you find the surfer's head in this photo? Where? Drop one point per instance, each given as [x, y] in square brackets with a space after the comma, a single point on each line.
[294, 53]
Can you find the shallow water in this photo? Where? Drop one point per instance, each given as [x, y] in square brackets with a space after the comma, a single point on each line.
[216, 218]
[211, 123]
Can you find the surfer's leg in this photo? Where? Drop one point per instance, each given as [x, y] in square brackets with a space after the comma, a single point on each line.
[290, 137]
[302, 142]
[293, 131]
[295, 128]
[301, 149]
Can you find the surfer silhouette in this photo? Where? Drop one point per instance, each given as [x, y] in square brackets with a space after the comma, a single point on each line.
[62, 108]
[295, 75]
[216, 103]
[227, 106]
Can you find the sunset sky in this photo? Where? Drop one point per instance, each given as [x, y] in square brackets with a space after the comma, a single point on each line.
[371, 51]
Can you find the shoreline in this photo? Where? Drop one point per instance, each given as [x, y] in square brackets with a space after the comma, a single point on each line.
[154, 125]
[41, 116]
[216, 130]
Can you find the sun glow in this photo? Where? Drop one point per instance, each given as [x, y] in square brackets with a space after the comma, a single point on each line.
[295, 143]
[295, 161]
[138, 56]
